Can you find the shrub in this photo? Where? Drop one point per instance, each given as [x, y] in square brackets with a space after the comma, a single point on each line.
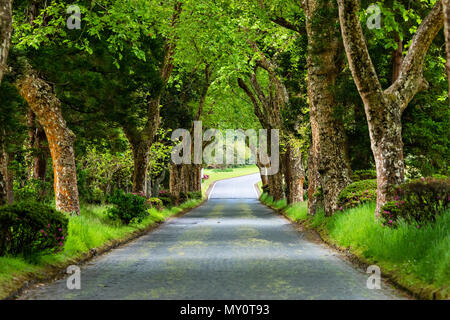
[196, 195]
[359, 175]
[34, 190]
[167, 199]
[30, 227]
[97, 196]
[417, 202]
[128, 207]
[155, 203]
[357, 193]
[163, 193]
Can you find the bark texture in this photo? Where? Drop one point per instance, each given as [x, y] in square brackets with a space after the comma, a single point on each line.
[384, 108]
[47, 107]
[446, 7]
[329, 166]
[3, 174]
[294, 174]
[38, 143]
[5, 33]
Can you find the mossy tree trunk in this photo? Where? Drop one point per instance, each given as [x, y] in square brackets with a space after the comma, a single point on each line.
[446, 7]
[330, 161]
[294, 174]
[384, 107]
[5, 33]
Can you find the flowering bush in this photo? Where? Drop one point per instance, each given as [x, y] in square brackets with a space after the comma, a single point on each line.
[30, 227]
[205, 177]
[128, 207]
[417, 202]
[155, 203]
[163, 192]
[357, 193]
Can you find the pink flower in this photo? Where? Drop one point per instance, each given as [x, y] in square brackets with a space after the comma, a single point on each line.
[60, 243]
[340, 208]
[390, 221]
[62, 238]
[42, 231]
[59, 229]
[48, 226]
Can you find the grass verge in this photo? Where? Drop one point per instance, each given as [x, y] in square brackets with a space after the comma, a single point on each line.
[417, 259]
[91, 233]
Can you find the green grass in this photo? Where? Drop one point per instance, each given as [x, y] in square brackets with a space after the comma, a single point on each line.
[418, 257]
[423, 252]
[215, 174]
[91, 229]
[298, 211]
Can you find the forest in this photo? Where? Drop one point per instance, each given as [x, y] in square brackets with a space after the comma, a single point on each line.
[93, 91]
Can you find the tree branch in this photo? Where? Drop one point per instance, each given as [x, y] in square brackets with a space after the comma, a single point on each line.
[410, 80]
[358, 56]
[287, 24]
[252, 97]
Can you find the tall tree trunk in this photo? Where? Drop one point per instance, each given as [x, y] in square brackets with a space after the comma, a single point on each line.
[47, 108]
[276, 185]
[397, 59]
[5, 33]
[384, 107]
[328, 142]
[37, 142]
[193, 173]
[446, 4]
[3, 173]
[294, 174]
[185, 178]
[177, 182]
[41, 158]
[141, 159]
[262, 171]
[314, 182]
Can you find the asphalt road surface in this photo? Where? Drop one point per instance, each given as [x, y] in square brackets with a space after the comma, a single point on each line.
[232, 247]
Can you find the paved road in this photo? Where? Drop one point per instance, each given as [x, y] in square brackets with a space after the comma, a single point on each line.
[232, 247]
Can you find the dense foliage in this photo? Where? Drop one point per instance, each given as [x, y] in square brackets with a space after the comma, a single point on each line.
[358, 193]
[30, 227]
[128, 207]
[417, 202]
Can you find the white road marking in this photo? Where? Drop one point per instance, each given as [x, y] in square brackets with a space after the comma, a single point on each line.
[209, 196]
